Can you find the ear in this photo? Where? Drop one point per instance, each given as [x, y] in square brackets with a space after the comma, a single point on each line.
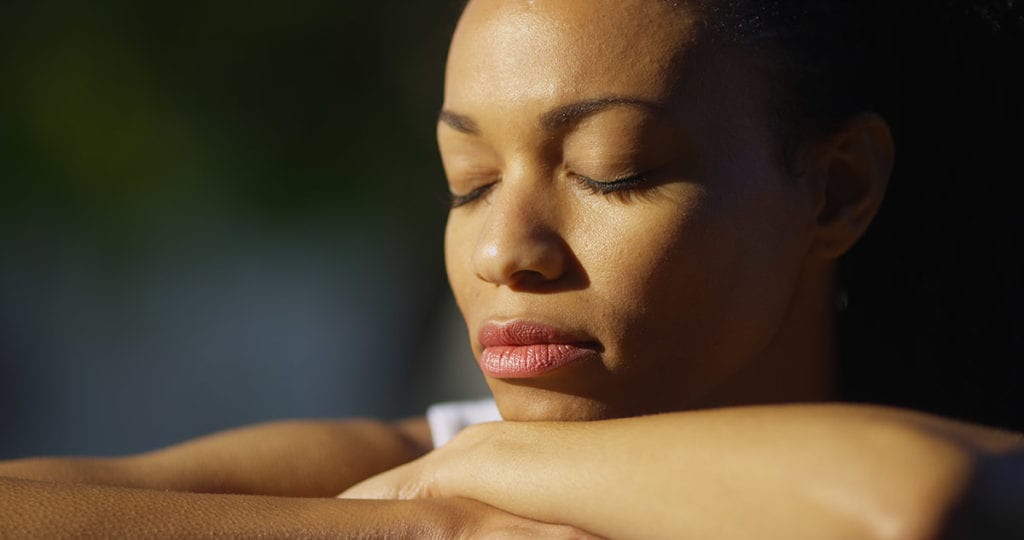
[852, 175]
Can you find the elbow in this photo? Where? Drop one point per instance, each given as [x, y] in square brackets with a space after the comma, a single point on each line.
[927, 522]
[927, 517]
[910, 484]
[942, 504]
[991, 503]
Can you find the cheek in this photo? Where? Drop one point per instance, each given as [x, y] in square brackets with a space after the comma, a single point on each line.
[459, 241]
[700, 279]
[643, 258]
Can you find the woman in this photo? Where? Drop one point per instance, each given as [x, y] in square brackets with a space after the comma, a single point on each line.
[647, 213]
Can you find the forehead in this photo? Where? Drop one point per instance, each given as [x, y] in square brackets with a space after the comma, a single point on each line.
[553, 51]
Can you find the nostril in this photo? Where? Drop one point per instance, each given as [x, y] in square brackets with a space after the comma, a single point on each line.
[520, 244]
[538, 263]
[528, 279]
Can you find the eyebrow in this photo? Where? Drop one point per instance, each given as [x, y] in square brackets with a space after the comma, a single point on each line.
[459, 122]
[558, 118]
[567, 115]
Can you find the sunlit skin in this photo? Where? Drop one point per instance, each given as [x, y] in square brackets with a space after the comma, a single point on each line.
[703, 283]
[616, 178]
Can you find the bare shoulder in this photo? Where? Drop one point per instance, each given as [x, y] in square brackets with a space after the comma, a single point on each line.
[288, 458]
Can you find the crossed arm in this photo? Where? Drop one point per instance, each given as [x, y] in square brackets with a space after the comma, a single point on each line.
[274, 479]
[797, 471]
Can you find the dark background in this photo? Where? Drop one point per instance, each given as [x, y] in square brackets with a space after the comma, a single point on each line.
[219, 213]
[216, 213]
[935, 316]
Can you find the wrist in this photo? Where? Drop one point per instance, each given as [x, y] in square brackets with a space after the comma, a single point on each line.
[492, 462]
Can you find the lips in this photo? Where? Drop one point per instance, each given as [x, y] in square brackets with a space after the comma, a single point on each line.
[523, 349]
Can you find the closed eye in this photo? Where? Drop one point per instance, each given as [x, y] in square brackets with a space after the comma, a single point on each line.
[611, 186]
[455, 201]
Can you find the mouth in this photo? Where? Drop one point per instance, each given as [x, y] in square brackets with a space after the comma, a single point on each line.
[523, 349]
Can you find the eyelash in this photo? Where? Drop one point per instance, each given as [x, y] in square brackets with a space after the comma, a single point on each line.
[455, 201]
[611, 186]
[596, 187]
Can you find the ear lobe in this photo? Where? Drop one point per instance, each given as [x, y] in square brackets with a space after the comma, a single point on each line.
[854, 173]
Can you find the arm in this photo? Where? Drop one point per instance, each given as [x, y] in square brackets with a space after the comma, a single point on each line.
[799, 471]
[289, 458]
[148, 494]
[44, 510]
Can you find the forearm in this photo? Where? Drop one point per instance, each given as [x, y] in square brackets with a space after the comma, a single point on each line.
[33, 509]
[78, 470]
[788, 472]
[41, 509]
[289, 458]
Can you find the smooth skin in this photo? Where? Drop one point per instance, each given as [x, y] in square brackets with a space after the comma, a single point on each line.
[42, 510]
[708, 282]
[710, 276]
[286, 459]
[778, 471]
[272, 479]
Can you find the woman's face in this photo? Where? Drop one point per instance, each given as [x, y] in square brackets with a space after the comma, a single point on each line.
[624, 240]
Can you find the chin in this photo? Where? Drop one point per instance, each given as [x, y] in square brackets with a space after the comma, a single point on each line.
[520, 402]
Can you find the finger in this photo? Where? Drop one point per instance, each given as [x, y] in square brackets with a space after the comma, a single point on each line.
[368, 489]
[498, 524]
[398, 483]
[533, 530]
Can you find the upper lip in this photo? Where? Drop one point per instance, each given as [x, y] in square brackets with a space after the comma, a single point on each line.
[522, 332]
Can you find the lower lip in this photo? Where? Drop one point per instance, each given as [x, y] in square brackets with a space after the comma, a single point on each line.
[523, 361]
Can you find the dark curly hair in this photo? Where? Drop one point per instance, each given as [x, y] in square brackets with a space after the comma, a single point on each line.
[827, 60]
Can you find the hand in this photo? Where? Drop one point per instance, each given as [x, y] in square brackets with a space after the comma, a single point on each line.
[433, 478]
[466, 518]
[404, 482]
[433, 475]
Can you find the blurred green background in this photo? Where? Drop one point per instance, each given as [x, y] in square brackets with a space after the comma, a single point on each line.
[219, 213]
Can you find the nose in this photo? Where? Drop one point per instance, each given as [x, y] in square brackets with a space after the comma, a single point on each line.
[520, 244]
